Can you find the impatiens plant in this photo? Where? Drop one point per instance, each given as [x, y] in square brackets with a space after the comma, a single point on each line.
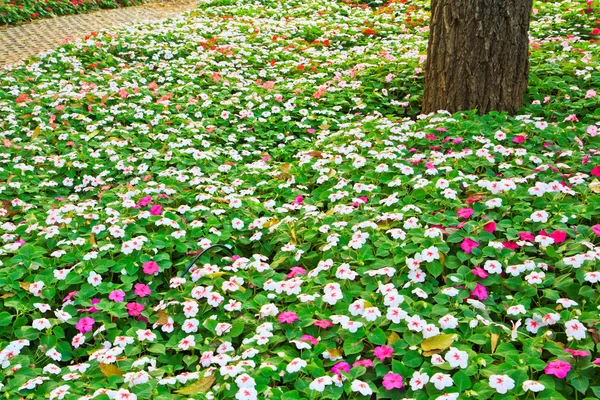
[377, 253]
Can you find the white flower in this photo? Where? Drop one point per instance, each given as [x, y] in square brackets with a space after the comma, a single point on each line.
[457, 358]
[539, 216]
[245, 381]
[40, 324]
[534, 386]
[575, 329]
[418, 380]
[60, 392]
[94, 279]
[441, 381]
[295, 365]
[246, 394]
[502, 383]
[320, 383]
[516, 310]
[361, 387]
[124, 394]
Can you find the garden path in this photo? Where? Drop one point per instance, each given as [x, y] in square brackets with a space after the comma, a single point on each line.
[20, 42]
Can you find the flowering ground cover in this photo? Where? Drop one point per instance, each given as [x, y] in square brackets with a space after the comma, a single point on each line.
[378, 253]
[18, 11]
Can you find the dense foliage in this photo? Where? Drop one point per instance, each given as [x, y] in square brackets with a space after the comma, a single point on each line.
[14, 12]
[378, 252]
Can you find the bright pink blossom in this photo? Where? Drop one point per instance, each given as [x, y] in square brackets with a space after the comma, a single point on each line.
[490, 227]
[156, 209]
[480, 292]
[578, 353]
[519, 139]
[528, 236]
[295, 271]
[465, 212]
[480, 272]
[557, 368]
[323, 323]
[85, 324]
[287, 317]
[596, 229]
[142, 290]
[150, 267]
[392, 381]
[595, 171]
[468, 245]
[144, 201]
[341, 366]
[383, 352]
[558, 236]
[135, 309]
[363, 363]
[117, 296]
[312, 339]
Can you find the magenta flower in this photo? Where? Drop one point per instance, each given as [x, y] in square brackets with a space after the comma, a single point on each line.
[480, 272]
[295, 271]
[596, 361]
[145, 201]
[135, 309]
[468, 245]
[142, 290]
[85, 324]
[70, 296]
[323, 323]
[299, 199]
[287, 317]
[519, 139]
[392, 381]
[341, 366]
[558, 236]
[557, 368]
[363, 363]
[465, 212]
[150, 267]
[312, 339]
[490, 227]
[596, 229]
[595, 171]
[480, 292]
[578, 353]
[156, 209]
[383, 352]
[117, 296]
[528, 236]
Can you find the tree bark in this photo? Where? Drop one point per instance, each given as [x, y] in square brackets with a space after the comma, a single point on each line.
[477, 55]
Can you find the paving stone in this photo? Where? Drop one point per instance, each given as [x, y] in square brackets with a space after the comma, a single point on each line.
[20, 42]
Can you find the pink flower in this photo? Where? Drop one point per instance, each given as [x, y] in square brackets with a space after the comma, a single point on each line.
[341, 366]
[595, 171]
[578, 353]
[528, 236]
[150, 267]
[156, 209]
[299, 199]
[558, 236]
[465, 212]
[383, 352]
[392, 381]
[468, 245]
[312, 339]
[142, 290]
[144, 201]
[117, 296]
[490, 227]
[480, 292]
[557, 368]
[519, 139]
[596, 361]
[295, 271]
[480, 272]
[596, 229]
[73, 294]
[510, 245]
[135, 309]
[323, 323]
[363, 363]
[287, 317]
[85, 324]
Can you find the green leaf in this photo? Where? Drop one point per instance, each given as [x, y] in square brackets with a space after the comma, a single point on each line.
[462, 381]
[580, 383]
[5, 318]
[377, 336]
[435, 268]
[353, 346]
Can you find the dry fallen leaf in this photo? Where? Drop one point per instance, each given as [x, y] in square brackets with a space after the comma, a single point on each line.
[163, 317]
[437, 343]
[24, 285]
[202, 385]
[110, 370]
[595, 186]
[392, 338]
[495, 338]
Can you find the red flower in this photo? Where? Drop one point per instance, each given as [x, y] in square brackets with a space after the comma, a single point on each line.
[595, 171]
[369, 32]
[596, 31]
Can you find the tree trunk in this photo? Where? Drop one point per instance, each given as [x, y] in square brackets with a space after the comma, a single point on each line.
[477, 56]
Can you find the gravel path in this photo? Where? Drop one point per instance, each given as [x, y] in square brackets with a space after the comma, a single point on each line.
[20, 42]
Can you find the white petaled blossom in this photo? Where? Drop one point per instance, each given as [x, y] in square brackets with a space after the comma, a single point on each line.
[502, 383]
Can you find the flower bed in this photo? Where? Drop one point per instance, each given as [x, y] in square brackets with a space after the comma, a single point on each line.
[14, 12]
[377, 252]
